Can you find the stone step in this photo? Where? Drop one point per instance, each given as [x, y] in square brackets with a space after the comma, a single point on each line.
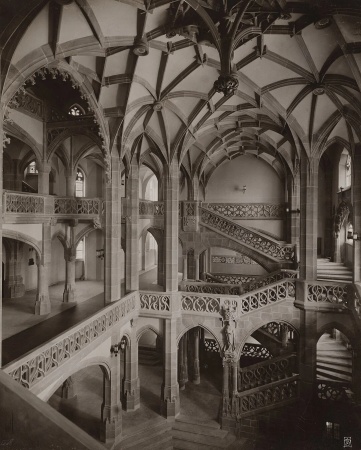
[333, 354]
[336, 369]
[331, 375]
[154, 434]
[194, 420]
[202, 430]
[347, 362]
[192, 441]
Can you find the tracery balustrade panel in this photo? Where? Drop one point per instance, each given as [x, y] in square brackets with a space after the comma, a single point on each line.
[23, 203]
[246, 403]
[269, 279]
[210, 345]
[38, 364]
[277, 292]
[247, 210]
[247, 236]
[334, 391]
[230, 278]
[327, 293]
[226, 259]
[74, 206]
[255, 351]
[266, 372]
[212, 288]
[151, 208]
[154, 301]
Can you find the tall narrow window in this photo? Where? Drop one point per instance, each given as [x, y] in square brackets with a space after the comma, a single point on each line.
[79, 184]
[80, 250]
[348, 171]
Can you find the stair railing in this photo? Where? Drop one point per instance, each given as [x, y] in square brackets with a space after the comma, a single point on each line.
[270, 278]
[266, 372]
[253, 239]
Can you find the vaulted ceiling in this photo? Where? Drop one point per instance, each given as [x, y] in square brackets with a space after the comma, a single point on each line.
[289, 73]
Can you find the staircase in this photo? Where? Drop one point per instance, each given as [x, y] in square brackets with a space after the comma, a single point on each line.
[334, 361]
[153, 435]
[191, 434]
[331, 271]
[269, 248]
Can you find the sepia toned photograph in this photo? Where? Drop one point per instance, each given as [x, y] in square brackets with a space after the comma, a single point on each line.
[181, 224]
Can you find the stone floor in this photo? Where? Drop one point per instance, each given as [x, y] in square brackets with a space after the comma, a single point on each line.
[22, 330]
[201, 401]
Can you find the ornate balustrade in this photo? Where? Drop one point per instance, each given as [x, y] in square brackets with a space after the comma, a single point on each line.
[149, 208]
[255, 351]
[230, 278]
[270, 278]
[334, 391]
[266, 372]
[255, 400]
[276, 329]
[279, 291]
[327, 292]
[66, 205]
[247, 210]
[205, 304]
[19, 203]
[155, 301]
[210, 288]
[245, 235]
[49, 205]
[36, 365]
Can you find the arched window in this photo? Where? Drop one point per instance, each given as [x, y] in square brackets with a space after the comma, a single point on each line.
[79, 184]
[80, 250]
[76, 110]
[348, 171]
[31, 168]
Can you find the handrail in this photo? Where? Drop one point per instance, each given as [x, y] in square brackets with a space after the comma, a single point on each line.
[210, 288]
[229, 278]
[248, 210]
[30, 368]
[270, 278]
[247, 236]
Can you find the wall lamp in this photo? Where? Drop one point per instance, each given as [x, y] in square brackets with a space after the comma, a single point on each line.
[120, 347]
[292, 211]
[242, 189]
[354, 236]
[100, 253]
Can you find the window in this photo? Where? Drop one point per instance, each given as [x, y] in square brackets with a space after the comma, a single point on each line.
[76, 110]
[332, 431]
[80, 250]
[348, 171]
[31, 168]
[79, 184]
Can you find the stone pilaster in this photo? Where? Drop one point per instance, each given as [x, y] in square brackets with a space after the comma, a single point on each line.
[160, 263]
[196, 376]
[293, 217]
[309, 218]
[132, 237]
[131, 389]
[42, 304]
[69, 256]
[185, 267]
[43, 177]
[170, 388]
[183, 363]
[196, 266]
[171, 225]
[14, 286]
[70, 182]
[111, 412]
[112, 233]
[356, 198]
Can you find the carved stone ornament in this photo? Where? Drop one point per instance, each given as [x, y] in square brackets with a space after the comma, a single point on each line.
[141, 46]
[227, 84]
[53, 221]
[229, 325]
[97, 224]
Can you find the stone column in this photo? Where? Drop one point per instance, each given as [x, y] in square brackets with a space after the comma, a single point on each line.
[356, 198]
[185, 267]
[196, 376]
[293, 219]
[170, 388]
[131, 390]
[196, 264]
[132, 237]
[112, 232]
[69, 288]
[70, 182]
[43, 178]
[181, 365]
[2, 144]
[13, 285]
[67, 389]
[18, 176]
[111, 410]
[171, 224]
[160, 262]
[234, 377]
[42, 304]
[309, 218]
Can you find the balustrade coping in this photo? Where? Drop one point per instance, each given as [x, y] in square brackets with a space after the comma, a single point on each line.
[42, 347]
[266, 362]
[259, 389]
[36, 194]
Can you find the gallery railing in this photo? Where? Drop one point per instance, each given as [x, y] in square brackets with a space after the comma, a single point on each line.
[247, 210]
[37, 364]
[27, 203]
[334, 391]
[247, 236]
[210, 288]
[269, 279]
[230, 278]
[66, 205]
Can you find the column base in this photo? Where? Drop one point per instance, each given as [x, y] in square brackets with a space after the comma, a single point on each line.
[196, 380]
[69, 295]
[169, 405]
[111, 430]
[42, 305]
[131, 397]
[14, 290]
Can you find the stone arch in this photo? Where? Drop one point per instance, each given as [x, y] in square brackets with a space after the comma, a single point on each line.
[245, 327]
[145, 328]
[102, 362]
[82, 233]
[18, 236]
[343, 327]
[62, 238]
[205, 327]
